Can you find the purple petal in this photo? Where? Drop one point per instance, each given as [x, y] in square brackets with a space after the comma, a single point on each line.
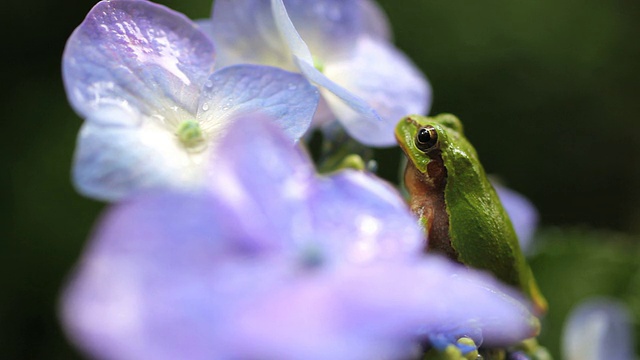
[435, 296]
[387, 81]
[137, 54]
[523, 214]
[598, 328]
[156, 283]
[164, 278]
[112, 162]
[361, 219]
[261, 174]
[252, 90]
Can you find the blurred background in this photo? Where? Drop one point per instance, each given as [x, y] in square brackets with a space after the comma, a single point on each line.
[547, 90]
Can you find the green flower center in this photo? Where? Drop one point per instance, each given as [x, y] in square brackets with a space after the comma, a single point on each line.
[191, 135]
[318, 64]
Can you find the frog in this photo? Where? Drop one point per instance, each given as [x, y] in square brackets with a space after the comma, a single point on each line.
[456, 204]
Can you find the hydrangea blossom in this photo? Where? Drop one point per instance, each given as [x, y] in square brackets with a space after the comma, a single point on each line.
[523, 214]
[141, 76]
[342, 46]
[275, 262]
[598, 328]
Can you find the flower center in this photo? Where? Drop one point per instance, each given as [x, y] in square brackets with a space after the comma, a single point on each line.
[191, 135]
[318, 64]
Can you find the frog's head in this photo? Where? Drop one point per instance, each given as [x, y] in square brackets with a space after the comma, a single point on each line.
[422, 137]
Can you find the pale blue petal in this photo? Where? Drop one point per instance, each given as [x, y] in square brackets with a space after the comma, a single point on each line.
[376, 23]
[113, 162]
[136, 54]
[359, 219]
[251, 90]
[523, 214]
[329, 27]
[387, 81]
[598, 328]
[359, 119]
[294, 42]
[244, 32]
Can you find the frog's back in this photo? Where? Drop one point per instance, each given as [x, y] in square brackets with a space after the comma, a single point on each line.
[477, 216]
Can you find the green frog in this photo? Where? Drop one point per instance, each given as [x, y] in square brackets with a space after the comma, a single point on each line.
[458, 207]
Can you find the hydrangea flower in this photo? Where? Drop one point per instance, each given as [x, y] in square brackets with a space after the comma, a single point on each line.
[598, 328]
[141, 76]
[523, 214]
[342, 46]
[273, 262]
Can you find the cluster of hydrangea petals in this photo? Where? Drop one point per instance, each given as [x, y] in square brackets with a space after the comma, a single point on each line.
[341, 46]
[142, 76]
[272, 261]
[224, 242]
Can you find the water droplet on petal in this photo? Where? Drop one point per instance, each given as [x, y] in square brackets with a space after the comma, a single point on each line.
[208, 84]
[205, 106]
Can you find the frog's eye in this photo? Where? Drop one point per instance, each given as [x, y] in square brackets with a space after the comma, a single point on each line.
[427, 138]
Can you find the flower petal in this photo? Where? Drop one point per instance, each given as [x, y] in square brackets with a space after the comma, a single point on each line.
[435, 296]
[523, 214]
[328, 27]
[112, 162]
[361, 219]
[376, 24]
[244, 32]
[598, 328]
[137, 54]
[153, 276]
[360, 120]
[264, 176]
[252, 90]
[387, 81]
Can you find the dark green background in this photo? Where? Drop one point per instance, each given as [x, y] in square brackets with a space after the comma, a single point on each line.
[548, 92]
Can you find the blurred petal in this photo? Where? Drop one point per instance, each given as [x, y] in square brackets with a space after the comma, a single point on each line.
[168, 276]
[387, 81]
[244, 32]
[523, 214]
[264, 176]
[376, 24]
[154, 284]
[137, 54]
[596, 329]
[252, 90]
[435, 296]
[362, 219]
[112, 162]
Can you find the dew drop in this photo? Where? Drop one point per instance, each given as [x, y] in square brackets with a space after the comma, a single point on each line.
[208, 84]
[205, 106]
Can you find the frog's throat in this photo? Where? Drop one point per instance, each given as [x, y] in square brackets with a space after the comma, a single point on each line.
[428, 202]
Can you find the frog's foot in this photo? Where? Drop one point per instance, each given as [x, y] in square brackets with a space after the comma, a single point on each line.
[464, 348]
[529, 349]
